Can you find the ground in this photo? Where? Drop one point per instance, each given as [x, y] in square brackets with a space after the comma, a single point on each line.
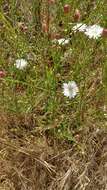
[48, 141]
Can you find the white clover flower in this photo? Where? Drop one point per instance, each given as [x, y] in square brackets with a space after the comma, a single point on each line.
[94, 31]
[21, 63]
[62, 41]
[70, 89]
[80, 27]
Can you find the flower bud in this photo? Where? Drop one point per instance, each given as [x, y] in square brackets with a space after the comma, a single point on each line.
[45, 28]
[77, 15]
[2, 74]
[51, 1]
[104, 33]
[67, 8]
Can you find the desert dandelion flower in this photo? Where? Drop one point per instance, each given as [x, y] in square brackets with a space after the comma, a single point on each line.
[21, 63]
[94, 31]
[70, 89]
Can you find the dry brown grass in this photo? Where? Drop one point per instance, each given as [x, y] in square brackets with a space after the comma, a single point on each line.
[33, 161]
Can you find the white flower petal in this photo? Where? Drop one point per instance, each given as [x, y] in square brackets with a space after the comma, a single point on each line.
[61, 41]
[79, 27]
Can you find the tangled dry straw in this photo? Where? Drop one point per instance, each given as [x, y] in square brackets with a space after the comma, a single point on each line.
[41, 162]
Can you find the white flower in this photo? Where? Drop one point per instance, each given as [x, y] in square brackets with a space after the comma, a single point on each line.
[70, 89]
[21, 63]
[79, 27]
[62, 41]
[94, 31]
